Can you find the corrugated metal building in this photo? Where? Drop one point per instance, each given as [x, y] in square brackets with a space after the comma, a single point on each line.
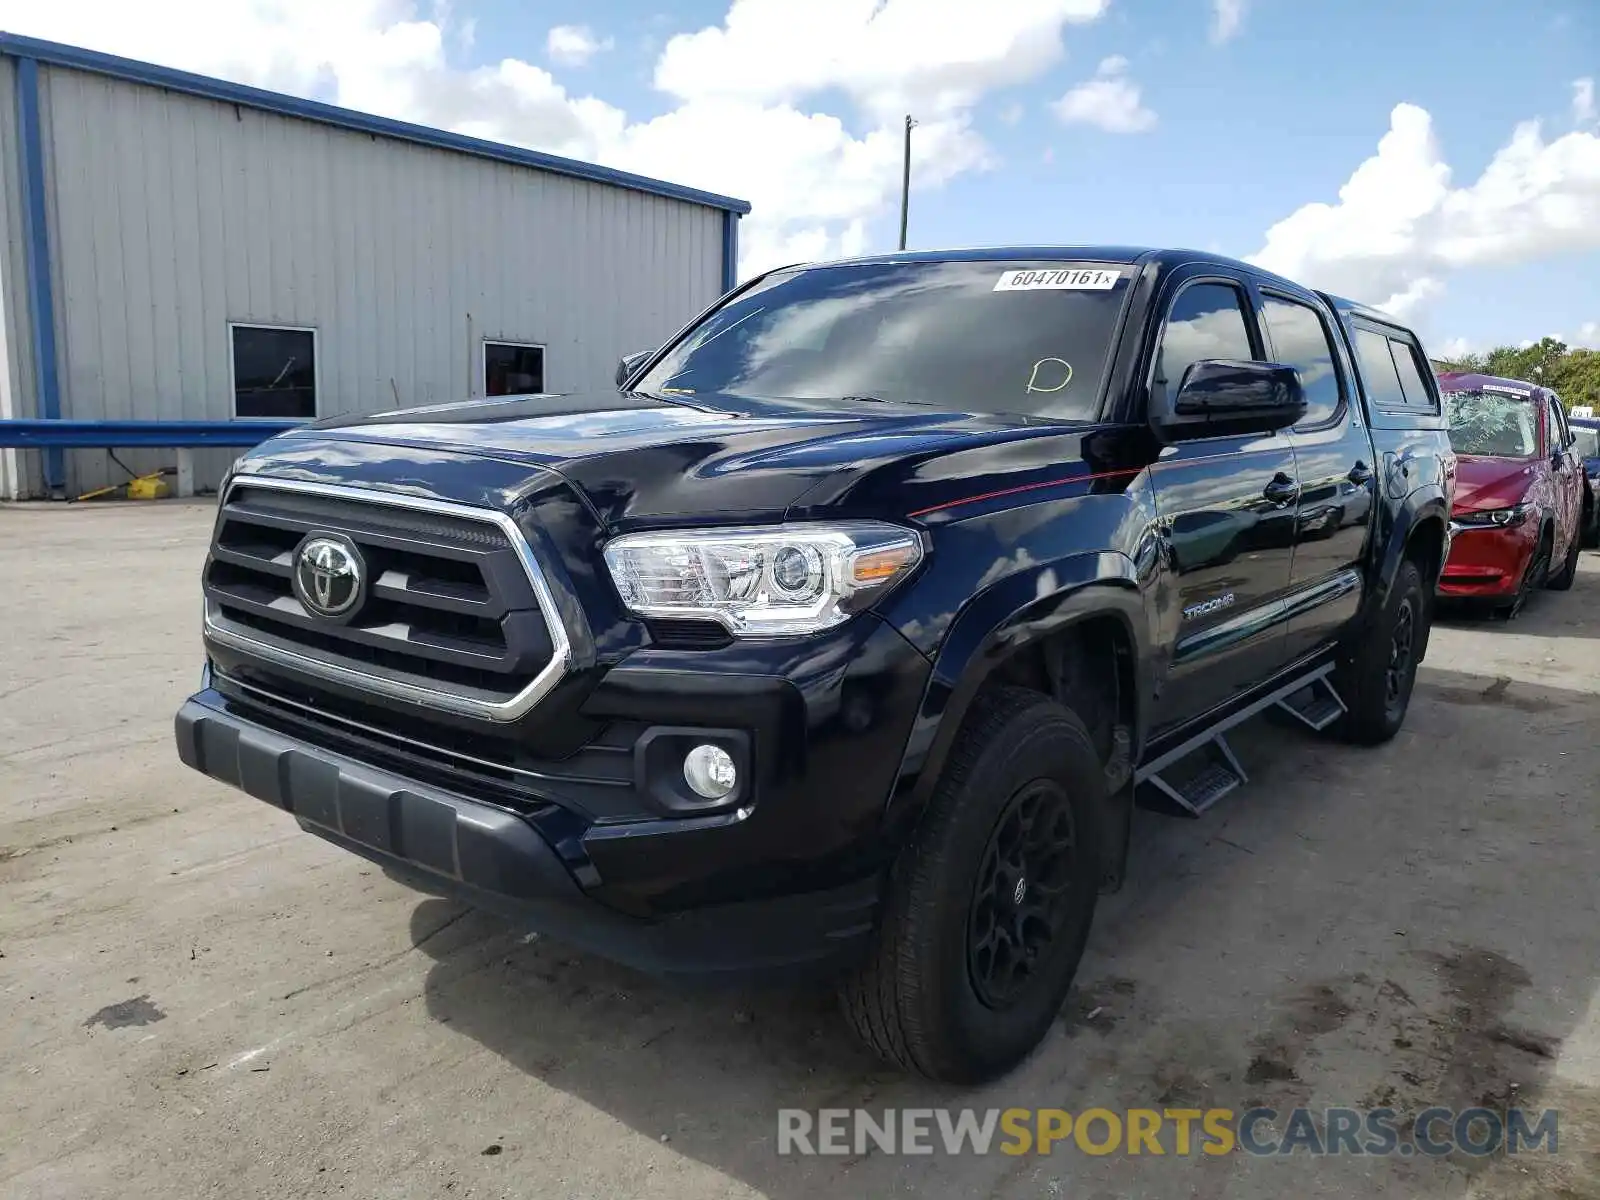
[178, 247]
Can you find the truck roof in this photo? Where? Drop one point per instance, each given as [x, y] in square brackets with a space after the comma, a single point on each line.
[1165, 256]
[1349, 307]
[1171, 256]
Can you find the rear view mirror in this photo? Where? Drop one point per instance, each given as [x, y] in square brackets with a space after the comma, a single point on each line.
[1232, 396]
[628, 366]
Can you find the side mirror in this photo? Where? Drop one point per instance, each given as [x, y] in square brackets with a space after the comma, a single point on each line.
[628, 366]
[1219, 396]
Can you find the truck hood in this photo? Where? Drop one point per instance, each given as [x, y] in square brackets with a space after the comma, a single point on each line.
[1489, 481]
[639, 459]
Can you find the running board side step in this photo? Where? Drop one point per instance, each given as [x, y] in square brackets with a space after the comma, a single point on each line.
[1317, 704]
[1310, 698]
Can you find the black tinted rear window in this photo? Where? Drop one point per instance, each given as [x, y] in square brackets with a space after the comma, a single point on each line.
[1001, 337]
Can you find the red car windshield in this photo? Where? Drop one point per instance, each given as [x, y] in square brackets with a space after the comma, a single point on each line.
[1491, 423]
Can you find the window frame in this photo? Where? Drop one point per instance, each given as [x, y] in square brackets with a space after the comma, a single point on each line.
[1395, 334]
[1419, 361]
[483, 363]
[279, 327]
[1342, 409]
[1557, 442]
[1247, 309]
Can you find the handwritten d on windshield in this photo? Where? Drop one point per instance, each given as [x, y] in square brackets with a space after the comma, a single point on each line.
[1045, 370]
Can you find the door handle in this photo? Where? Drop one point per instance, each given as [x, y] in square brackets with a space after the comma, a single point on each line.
[1282, 490]
[1360, 473]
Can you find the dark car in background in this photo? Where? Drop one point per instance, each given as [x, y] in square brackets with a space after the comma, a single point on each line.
[1519, 502]
[1586, 427]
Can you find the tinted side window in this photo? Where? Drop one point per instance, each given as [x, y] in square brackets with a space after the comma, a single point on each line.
[1405, 361]
[1300, 340]
[1378, 371]
[1558, 430]
[1205, 321]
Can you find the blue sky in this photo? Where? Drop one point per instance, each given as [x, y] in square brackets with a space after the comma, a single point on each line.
[1216, 140]
[1247, 131]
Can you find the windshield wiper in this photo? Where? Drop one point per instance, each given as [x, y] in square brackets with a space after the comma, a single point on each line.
[679, 400]
[863, 399]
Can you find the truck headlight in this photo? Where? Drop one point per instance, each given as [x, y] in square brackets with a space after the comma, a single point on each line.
[769, 581]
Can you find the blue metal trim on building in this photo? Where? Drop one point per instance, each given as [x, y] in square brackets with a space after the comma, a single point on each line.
[51, 435]
[730, 250]
[36, 261]
[54, 53]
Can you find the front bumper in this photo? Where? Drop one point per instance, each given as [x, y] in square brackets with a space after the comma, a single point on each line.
[1488, 562]
[449, 844]
[582, 842]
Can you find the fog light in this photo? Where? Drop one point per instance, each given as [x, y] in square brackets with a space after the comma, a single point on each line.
[710, 772]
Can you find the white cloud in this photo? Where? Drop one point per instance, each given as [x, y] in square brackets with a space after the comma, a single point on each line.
[1452, 348]
[573, 45]
[1226, 18]
[1401, 226]
[1584, 109]
[1110, 101]
[1588, 336]
[929, 57]
[741, 124]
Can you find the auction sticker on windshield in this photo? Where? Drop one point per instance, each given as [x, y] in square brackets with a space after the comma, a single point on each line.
[1076, 279]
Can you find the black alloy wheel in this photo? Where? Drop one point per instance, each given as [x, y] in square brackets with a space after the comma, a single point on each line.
[1019, 902]
[1402, 654]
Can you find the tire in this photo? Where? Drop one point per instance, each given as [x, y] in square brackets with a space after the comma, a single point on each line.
[1561, 581]
[934, 997]
[1376, 684]
[1534, 578]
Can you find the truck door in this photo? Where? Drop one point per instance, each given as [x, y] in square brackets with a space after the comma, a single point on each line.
[1226, 507]
[1338, 478]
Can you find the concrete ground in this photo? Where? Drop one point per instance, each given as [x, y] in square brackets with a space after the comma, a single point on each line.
[201, 1000]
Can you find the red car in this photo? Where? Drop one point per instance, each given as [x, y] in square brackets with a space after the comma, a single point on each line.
[1517, 521]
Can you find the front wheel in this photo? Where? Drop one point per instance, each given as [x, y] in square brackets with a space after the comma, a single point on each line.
[1562, 580]
[1533, 579]
[991, 902]
[1376, 683]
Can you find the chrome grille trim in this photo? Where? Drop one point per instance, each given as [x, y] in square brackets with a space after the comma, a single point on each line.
[509, 710]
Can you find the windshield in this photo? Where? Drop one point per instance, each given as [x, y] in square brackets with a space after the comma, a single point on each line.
[1491, 423]
[1588, 443]
[1023, 338]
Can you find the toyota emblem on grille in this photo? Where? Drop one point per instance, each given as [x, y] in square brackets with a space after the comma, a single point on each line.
[328, 575]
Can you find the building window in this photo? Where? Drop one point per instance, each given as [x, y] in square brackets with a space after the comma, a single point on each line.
[274, 372]
[512, 369]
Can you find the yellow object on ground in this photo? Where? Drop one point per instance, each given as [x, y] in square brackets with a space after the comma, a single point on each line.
[148, 487]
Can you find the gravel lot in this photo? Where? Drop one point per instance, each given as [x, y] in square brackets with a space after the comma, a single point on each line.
[202, 1000]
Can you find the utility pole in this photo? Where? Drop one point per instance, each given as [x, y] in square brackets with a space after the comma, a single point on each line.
[905, 182]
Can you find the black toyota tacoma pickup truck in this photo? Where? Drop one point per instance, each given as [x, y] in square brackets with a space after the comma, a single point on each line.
[843, 636]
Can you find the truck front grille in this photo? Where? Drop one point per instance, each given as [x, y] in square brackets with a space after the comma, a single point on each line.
[456, 613]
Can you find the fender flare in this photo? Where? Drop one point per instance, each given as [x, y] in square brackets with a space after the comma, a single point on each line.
[1417, 510]
[1000, 622]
